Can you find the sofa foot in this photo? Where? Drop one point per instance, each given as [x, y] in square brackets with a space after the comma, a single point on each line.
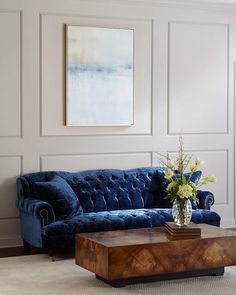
[26, 248]
[51, 256]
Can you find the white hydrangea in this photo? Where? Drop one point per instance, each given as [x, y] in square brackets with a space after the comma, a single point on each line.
[185, 191]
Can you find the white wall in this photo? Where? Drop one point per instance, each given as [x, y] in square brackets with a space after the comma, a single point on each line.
[184, 83]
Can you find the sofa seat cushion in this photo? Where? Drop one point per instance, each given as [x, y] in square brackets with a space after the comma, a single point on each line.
[122, 219]
[58, 193]
[61, 234]
[198, 216]
[104, 221]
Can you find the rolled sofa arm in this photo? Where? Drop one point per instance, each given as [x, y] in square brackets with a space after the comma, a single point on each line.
[206, 199]
[41, 210]
[33, 207]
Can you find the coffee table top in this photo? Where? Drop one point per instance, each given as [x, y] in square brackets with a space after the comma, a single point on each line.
[153, 235]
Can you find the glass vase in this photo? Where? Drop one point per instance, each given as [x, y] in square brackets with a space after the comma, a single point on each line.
[182, 212]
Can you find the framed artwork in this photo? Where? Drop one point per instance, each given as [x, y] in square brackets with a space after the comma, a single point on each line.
[99, 76]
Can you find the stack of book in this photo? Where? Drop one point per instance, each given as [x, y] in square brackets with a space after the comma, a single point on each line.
[187, 231]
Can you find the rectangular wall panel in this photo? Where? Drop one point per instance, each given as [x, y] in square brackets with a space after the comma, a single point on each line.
[198, 78]
[215, 162]
[53, 75]
[10, 169]
[98, 161]
[10, 74]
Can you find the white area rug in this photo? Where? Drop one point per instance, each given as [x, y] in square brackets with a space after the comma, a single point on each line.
[36, 275]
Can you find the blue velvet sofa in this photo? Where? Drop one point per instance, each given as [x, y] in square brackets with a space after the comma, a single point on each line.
[55, 205]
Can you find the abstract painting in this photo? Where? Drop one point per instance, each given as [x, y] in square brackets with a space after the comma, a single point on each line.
[99, 76]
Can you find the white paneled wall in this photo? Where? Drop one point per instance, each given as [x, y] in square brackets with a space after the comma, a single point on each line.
[10, 73]
[184, 82]
[198, 57]
[83, 162]
[52, 65]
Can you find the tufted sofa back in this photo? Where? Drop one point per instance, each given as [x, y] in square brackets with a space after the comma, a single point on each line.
[98, 190]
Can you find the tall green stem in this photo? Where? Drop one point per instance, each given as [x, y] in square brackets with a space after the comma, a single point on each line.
[181, 164]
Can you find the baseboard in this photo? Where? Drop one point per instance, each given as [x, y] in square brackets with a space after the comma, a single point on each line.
[11, 251]
[232, 228]
[12, 245]
[9, 241]
[226, 223]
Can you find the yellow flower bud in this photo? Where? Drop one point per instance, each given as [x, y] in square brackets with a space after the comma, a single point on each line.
[170, 164]
[168, 174]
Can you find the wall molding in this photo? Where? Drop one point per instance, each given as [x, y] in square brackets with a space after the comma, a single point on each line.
[100, 17]
[9, 218]
[92, 155]
[227, 167]
[87, 155]
[15, 156]
[20, 13]
[234, 138]
[20, 157]
[113, 131]
[169, 133]
[188, 4]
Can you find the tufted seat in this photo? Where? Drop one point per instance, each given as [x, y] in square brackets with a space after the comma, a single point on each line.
[108, 200]
[102, 221]
[59, 231]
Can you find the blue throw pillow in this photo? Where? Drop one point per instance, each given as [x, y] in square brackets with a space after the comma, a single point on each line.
[58, 193]
[159, 184]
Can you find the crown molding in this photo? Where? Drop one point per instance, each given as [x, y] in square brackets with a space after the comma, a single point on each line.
[187, 2]
[219, 5]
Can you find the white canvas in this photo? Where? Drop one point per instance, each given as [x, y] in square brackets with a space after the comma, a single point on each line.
[99, 76]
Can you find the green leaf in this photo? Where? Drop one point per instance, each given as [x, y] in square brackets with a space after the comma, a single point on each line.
[184, 181]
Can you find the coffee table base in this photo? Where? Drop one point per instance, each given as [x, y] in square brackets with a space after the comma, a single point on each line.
[171, 276]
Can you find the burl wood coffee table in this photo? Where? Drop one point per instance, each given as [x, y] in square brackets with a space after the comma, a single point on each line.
[142, 255]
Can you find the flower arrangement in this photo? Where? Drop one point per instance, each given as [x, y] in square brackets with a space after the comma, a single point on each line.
[180, 185]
